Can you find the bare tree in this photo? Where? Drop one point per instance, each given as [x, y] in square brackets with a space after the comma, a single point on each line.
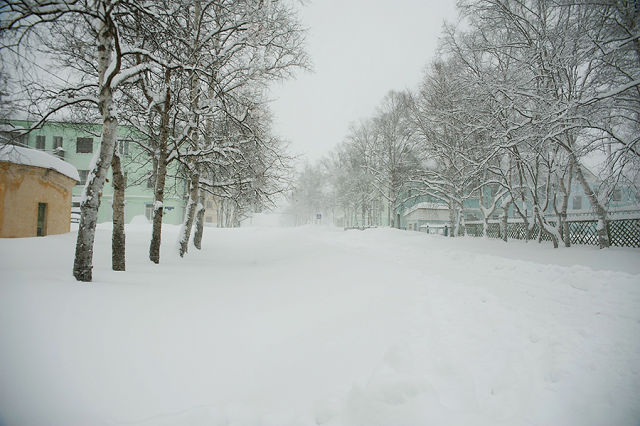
[86, 40]
[394, 150]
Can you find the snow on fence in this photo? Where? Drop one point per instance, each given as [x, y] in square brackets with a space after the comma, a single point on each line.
[622, 232]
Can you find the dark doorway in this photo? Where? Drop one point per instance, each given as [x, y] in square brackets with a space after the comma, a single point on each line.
[42, 219]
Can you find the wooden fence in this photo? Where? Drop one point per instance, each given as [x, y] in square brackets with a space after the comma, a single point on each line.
[622, 232]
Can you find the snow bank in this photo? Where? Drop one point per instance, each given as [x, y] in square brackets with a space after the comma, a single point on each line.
[140, 220]
[33, 157]
[317, 326]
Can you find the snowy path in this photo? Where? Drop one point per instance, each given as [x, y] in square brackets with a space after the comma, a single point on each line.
[318, 326]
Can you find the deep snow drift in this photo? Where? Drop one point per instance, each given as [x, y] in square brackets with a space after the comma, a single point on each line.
[316, 326]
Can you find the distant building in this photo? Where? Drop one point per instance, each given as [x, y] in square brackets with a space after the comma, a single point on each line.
[35, 192]
[77, 143]
[426, 216]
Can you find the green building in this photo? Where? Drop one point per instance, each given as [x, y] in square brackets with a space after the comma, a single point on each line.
[77, 143]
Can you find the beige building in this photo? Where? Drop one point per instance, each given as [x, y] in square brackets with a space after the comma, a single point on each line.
[35, 193]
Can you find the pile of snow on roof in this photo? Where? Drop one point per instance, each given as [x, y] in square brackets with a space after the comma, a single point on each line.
[31, 157]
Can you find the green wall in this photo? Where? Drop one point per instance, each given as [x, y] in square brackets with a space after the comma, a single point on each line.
[136, 164]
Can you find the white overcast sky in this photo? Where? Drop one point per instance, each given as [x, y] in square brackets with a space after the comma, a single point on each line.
[360, 50]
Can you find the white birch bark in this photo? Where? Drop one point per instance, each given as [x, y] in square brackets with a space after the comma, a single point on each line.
[189, 215]
[600, 211]
[118, 236]
[83, 262]
[200, 211]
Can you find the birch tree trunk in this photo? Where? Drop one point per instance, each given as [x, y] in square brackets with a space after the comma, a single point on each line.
[190, 212]
[485, 226]
[566, 190]
[234, 215]
[452, 219]
[197, 236]
[601, 213]
[158, 194]
[545, 226]
[83, 261]
[194, 175]
[461, 222]
[200, 210]
[219, 220]
[566, 234]
[540, 228]
[118, 236]
[505, 223]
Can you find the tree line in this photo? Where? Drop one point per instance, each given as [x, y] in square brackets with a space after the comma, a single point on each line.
[521, 97]
[188, 75]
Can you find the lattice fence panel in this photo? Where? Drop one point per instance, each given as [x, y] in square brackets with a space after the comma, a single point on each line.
[624, 233]
[516, 231]
[583, 232]
[474, 229]
[493, 231]
[535, 233]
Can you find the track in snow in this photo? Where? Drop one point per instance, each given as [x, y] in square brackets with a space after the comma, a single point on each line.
[320, 326]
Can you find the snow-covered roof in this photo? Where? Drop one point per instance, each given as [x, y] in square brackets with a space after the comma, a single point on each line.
[426, 205]
[31, 157]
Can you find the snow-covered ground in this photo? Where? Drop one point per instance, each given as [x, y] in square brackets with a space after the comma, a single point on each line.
[318, 326]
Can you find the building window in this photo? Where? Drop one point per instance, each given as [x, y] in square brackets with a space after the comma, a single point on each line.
[40, 142]
[84, 145]
[577, 202]
[209, 219]
[83, 176]
[617, 195]
[42, 220]
[209, 204]
[123, 147]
